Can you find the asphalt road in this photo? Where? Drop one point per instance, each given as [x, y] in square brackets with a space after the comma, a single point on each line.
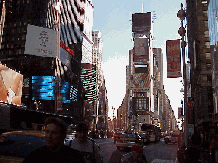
[153, 151]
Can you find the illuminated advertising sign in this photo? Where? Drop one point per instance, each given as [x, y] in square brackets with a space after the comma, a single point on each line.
[74, 93]
[173, 59]
[43, 88]
[10, 85]
[141, 80]
[65, 91]
[41, 41]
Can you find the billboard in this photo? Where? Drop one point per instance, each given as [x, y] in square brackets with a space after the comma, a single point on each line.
[141, 22]
[41, 41]
[173, 59]
[10, 85]
[141, 80]
[141, 50]
[65, 92]
[43, 88]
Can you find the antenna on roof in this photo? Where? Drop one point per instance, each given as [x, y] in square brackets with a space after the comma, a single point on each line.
[142, 6]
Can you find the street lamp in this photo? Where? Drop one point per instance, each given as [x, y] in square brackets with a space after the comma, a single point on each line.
[181, 15]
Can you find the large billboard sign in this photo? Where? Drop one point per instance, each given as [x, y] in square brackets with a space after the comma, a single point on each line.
[141, 22]
[141, 80]
[141, 50]
[173, 59]
[10, 85]
[43, 87]
[41, 41]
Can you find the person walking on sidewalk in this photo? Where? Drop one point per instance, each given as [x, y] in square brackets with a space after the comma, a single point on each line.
[87, 148]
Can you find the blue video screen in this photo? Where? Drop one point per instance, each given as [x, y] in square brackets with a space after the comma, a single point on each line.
[65, 91]
[43, 87]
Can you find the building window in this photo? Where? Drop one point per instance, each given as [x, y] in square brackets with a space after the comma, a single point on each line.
[207, 45]
[206, 23]
[205, 13]
[206, 34]
[208, 56]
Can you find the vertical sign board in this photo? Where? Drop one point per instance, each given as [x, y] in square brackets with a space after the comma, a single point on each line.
[190, 116]
[141, 53]
[173, 59]
[180, 111]
[41, 41]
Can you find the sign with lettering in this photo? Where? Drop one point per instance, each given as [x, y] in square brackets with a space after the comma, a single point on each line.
[41, 41]
[173, 59]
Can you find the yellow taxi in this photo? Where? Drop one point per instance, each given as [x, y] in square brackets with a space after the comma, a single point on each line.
[16, 145]
[126, 140]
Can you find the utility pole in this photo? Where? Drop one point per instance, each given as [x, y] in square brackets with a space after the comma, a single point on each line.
[181, 15]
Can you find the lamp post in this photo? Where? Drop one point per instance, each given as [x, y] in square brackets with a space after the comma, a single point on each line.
[181, 15]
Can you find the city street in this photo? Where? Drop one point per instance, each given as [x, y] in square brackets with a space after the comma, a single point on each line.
[152, 151]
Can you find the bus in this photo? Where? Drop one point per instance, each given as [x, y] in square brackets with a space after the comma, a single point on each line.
[153, 130]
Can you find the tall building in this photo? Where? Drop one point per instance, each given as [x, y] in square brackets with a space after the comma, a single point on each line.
[97, 51]
[87, 33]
[200, 115]
[212, 14]
[141, 103]
[65, 19]
[158, 84]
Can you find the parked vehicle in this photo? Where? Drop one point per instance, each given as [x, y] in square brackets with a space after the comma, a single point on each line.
[16, 145]
[145, 138]
[153, 130]
[116, 135]
[172, 137]
[126, 141]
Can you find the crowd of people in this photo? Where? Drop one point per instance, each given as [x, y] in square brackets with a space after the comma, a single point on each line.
[81, 149]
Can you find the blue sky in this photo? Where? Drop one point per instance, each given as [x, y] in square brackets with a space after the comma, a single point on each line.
[113, 19]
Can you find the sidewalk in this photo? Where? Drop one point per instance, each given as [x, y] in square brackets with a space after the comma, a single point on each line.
[164, 161]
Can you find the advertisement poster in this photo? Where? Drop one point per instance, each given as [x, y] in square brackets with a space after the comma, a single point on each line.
[141, 50]
[141, 80]
[11, 83]
[173, 59]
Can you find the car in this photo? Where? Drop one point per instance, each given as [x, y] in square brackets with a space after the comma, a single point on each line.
[116, 135]
[126, 141]
[16, 145]
[172, 137]
[145, 138]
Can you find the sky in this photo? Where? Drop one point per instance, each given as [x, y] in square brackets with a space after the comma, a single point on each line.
[113, 19]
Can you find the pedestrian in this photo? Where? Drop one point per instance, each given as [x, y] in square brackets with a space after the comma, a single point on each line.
[36, 105]
[137, 155]
[115, 157]
[54, 151]
[87, 148]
